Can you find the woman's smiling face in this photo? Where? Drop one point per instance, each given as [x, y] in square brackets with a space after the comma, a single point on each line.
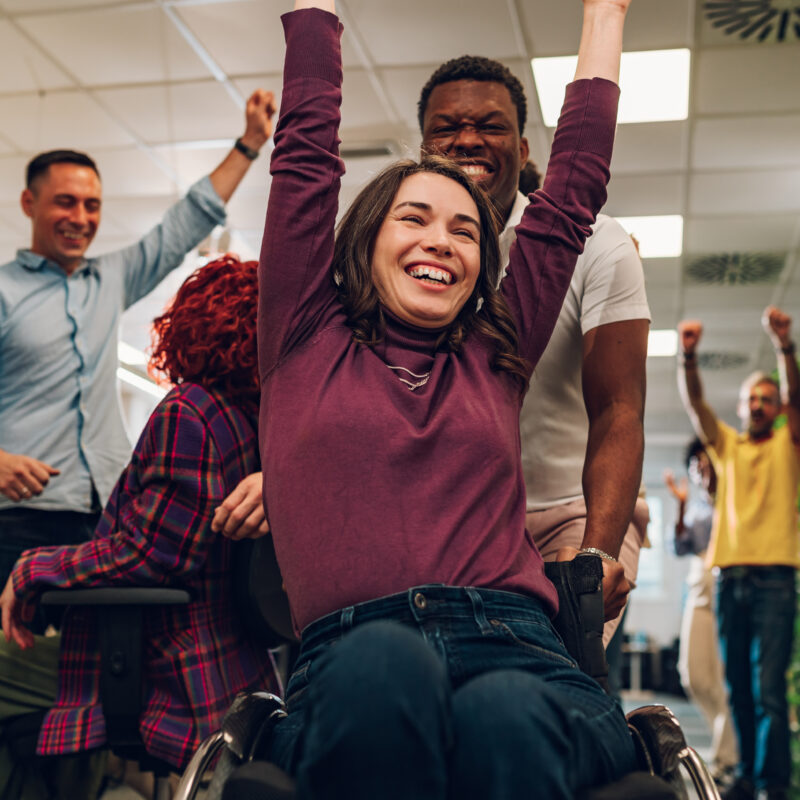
[426, 258]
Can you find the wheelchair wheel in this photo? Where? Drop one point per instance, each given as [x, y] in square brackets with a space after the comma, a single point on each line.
[226, 764]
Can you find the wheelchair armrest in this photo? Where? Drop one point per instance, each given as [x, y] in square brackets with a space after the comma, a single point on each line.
[116, 596]
[248, 723]
[658, 739]
[579, 621]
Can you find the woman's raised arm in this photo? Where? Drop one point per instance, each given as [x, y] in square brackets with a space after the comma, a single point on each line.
[601, 39]
[294, 284]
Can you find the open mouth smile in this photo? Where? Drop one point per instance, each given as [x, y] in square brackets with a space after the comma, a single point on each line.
[429, 274]
[476, 171]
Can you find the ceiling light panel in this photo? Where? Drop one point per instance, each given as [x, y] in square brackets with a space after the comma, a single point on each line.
[658, 237]
[662, 343]
[654, 83]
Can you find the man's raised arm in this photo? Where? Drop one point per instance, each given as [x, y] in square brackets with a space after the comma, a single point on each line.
[258, 128]
[703, 418]
[778, 325]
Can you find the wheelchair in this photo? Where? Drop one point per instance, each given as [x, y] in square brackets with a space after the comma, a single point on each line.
[668, 767]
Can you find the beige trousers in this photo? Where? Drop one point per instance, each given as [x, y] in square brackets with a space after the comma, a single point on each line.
[700, 667]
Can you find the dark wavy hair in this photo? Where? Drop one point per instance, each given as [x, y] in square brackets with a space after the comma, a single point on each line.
[207, 335]
[351, 269]
[475, 68]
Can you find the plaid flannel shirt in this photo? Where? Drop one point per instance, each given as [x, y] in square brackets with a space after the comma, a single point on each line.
[156, 531]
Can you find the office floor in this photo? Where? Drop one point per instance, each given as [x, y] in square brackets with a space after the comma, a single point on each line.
[693, 724]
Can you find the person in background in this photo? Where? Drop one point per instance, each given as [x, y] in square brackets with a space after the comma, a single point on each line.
[62, 441]
[156, 530]
[699, 664]
[755, 544]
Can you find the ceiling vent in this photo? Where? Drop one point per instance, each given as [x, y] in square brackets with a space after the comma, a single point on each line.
[736, 269]
[720, 361]
[757, 20]
[370, 150]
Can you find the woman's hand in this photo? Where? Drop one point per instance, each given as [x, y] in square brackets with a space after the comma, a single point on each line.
[619, 5]
[13, 614]
[241, 515]
[601, 39]
[680, 491]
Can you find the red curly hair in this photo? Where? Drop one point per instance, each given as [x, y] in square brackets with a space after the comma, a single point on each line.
[208, 333]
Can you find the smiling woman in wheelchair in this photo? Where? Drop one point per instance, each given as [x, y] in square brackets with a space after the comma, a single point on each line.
[156, 530]
[392, 375]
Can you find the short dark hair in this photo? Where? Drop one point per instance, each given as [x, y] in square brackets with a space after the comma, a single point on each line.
[39, 165]
[475, 68]
[693, 449]
[529, 178]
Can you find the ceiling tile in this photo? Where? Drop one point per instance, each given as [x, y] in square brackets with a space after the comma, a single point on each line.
[191, 164]
[57, 120]
[243, 37]
[713, 305]
[22, 6]
[130, 172]
[748, 80]
[12, 180]
[745, 142]
[177, 112]
[134, 216]
[553, 29]
[649, 147]
[452, 28]
[247, 211]
[23, 68]
[117, 45]
[774, 191]
[645, 195]
[746, 233]
[360, 105]
[661, 273]
[362, 170]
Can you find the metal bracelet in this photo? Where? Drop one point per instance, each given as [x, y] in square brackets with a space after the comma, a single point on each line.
[596, 551]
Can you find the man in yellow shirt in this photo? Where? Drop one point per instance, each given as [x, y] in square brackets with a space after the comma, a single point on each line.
[754, 543]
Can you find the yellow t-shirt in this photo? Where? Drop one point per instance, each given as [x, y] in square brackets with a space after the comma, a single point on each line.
[755, 520]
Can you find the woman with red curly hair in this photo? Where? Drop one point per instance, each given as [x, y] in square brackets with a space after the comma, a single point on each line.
[156, 530]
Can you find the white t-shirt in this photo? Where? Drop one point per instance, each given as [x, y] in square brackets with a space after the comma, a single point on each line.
[608, 286]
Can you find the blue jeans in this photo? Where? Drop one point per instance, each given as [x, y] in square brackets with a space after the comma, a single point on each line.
[756, 608]
[444, 692]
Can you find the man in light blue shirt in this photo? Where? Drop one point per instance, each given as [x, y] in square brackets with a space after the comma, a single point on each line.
[62, 442]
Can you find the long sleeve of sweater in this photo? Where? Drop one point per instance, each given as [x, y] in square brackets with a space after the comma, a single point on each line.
[297, 248]
[557, 222]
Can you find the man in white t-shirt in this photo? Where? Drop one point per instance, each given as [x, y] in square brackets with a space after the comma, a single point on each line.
[582, 421]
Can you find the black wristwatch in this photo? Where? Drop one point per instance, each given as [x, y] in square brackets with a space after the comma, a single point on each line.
[246, 151]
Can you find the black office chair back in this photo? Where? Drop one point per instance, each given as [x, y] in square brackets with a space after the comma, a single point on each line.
[260, 596]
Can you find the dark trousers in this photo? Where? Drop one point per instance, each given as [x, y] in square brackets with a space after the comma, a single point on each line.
[755, 612]
[24, 528]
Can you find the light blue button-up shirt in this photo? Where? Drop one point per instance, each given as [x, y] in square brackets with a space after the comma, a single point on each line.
[58, 352]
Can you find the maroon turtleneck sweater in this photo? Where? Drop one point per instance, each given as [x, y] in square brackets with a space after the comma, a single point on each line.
[372, 487]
